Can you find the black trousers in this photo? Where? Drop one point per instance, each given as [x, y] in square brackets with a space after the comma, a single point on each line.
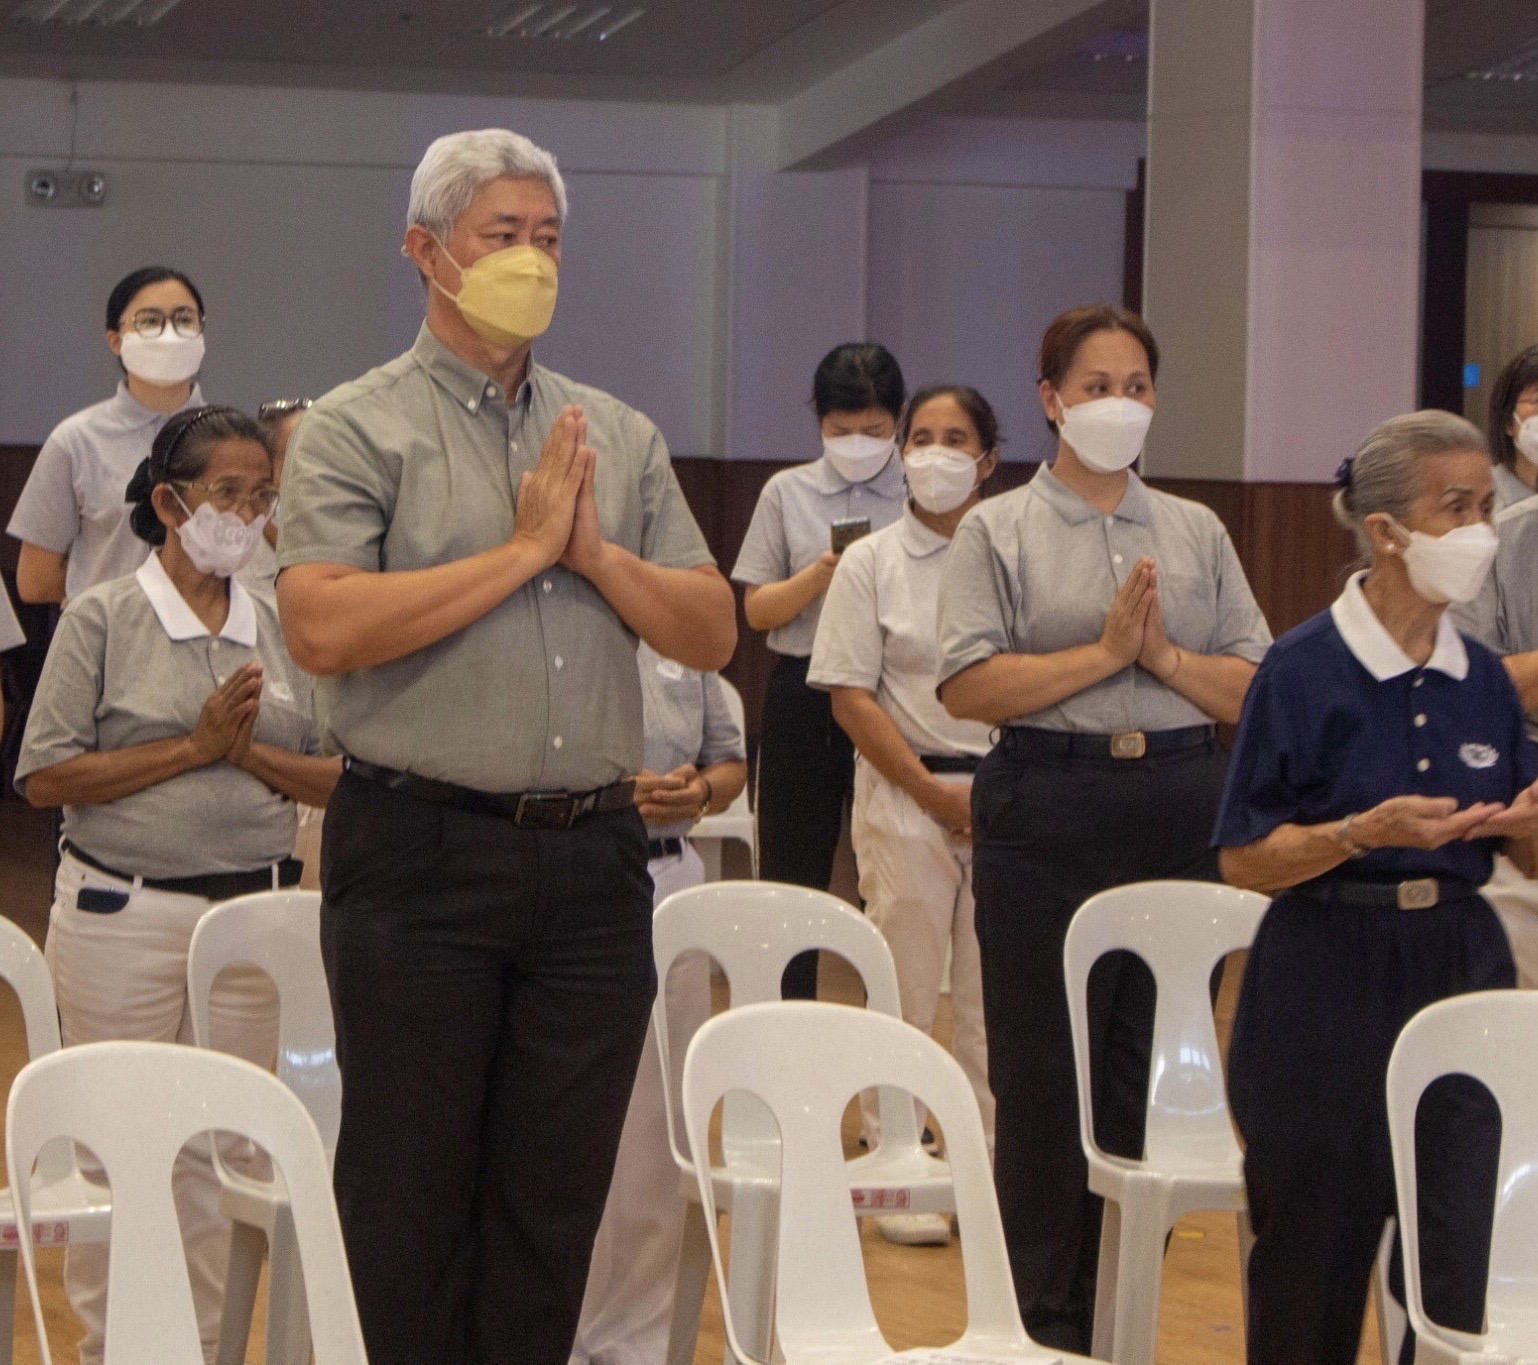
[805, 780]
[1326, 991]
[491, 988]
[1048, 834]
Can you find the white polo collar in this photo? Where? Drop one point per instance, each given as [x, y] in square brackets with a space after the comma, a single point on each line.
[1378, 652]
[132, 415]
[917, 539]
[179, 620]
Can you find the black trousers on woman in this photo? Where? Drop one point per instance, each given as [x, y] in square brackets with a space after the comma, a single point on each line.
[1327, 988]
[1049, 832]
[805, 780]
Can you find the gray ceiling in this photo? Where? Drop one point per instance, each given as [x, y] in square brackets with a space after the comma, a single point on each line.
[694, 50]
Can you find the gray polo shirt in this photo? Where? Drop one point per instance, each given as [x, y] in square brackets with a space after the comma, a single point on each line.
[878, 633]
[1509, 489]
[131, 663]
[790, 529]
[73, 500]
[11, 633]
[417, 463]
[688, 720]
[1035, 570]
[1504, 617]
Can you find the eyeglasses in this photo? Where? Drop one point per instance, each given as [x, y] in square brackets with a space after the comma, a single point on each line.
[227, 495]
[151, 322]
[281, 407]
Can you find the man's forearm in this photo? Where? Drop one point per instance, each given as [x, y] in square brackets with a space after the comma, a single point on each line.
[684, 614]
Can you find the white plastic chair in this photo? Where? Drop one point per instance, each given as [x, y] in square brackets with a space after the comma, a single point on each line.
[135, 1105]
[1487, 1035]
[736, 822]
[1191, 1160]
[64, 1207]
[752, 929]
[277, 932]
[823, 1311]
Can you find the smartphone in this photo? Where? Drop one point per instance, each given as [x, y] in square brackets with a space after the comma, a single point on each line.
[847, 531]
[99, 900]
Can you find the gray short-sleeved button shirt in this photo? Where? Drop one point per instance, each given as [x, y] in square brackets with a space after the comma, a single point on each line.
[1035, 570]
[1504, 616]
[877, 632]
[688, 720]
[790, 529]
[1509, 489]
[131, 663]
[416, 464]
[73, 500]
[11, 633]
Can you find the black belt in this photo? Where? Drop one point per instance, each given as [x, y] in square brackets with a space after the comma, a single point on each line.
[214, 886]
[1129, 744]
[950, 763]
[663, 848]
[1416, 893]
[527, 810]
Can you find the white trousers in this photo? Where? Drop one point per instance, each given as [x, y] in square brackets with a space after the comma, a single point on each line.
[123, 975]
[1515, 898]
[917, 884]
[628, 1305]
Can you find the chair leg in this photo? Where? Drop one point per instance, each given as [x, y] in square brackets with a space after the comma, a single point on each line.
[288, 1313]
[248, 1248]
[1102, 1339]
[689, 1291]
[751, 1275]
[1139, 1273]
[1393, 1322]
[1246, 1245]
[9, 1260]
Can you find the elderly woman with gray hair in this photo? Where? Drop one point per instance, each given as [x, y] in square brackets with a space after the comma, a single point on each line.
[1380, 763]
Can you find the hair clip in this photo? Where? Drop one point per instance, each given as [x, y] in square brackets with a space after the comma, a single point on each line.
[1343, 472]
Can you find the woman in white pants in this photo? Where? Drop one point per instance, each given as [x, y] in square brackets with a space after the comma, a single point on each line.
[173, 728]
[876, 652]
[696, 764]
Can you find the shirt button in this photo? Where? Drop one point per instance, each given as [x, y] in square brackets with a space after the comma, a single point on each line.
[1423, 765]
[1417, 682]
[1110, 521]
[556, 742]
[1116, 559]
[513, 446]
[547, 585]
[560, 662]
[491, 390]
[471, 405]
[1420, 720]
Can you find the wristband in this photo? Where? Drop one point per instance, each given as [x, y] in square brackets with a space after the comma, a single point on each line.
[710, 794]
[1344, 839]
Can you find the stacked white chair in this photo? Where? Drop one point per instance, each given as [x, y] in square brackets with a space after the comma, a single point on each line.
[63, 1206]
[752, 929]
[735, 824]
[277, 932]
[1191, 1159]
[1487, 1035]
[823, 1312]
[135, 1105]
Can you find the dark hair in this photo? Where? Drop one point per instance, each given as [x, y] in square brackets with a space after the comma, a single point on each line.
[180, 454]
[976, 407]
[124, 290]
[1521, 372]
[856, 376]
[1068, 331]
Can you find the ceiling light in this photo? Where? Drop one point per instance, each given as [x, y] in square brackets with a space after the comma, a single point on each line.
[1118, 45]
[1520, 66]
[100, 13]
[547, 21]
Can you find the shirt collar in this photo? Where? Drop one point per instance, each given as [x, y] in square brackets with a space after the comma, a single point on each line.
[465, 384]
[1377, 651]
[180, 622]
[917, 539]
[1073, 509]
[131, 414]
[888, 483]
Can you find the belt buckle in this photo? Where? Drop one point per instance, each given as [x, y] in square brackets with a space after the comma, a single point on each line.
[1129, 744]
[539, 811]
[1420, 894]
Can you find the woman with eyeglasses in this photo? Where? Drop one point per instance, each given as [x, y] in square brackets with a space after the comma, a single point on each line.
[178, 736]
[70, 519]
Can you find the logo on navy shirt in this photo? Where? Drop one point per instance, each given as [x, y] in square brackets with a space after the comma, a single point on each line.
[1479, 755]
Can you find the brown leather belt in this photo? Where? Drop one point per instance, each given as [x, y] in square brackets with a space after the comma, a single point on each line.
[526, 810]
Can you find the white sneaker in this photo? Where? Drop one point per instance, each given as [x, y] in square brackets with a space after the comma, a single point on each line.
[915, 1229]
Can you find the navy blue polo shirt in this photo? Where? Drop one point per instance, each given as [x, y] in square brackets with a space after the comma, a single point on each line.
[1339, 718]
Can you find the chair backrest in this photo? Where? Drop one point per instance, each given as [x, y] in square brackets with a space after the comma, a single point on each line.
[822, 1299]
[135, 1105]
[1181, 930]
[752, 929]
[1487, 1035]
[278, 932]
[739, 714]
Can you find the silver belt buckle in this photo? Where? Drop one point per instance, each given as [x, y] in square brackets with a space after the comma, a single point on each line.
[1420, 894]
[1129, 744]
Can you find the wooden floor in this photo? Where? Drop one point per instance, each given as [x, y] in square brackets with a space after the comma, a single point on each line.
[917, 1291]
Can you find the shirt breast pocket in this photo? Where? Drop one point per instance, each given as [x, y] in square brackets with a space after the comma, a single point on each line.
[281, 722]
[1189, 605]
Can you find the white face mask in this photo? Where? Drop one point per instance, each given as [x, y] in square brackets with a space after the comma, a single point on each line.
[218, 543]
[1451, 567]
[166, 359]
[1526, 439]
[1107, 434]
[940, 479]
[858, 458]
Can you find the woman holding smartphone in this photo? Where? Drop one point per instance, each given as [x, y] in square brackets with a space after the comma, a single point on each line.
[805, 761]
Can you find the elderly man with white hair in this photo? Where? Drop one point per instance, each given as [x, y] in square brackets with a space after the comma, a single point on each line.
[471, 545]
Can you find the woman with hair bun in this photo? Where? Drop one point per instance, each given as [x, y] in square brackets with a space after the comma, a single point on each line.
[1381, 761]
[1104, 627]
[173, 729]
